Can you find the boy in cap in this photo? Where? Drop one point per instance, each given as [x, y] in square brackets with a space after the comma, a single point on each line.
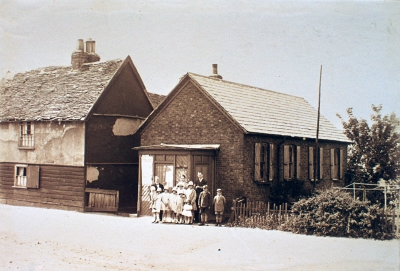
[204, 202]
[219, 206]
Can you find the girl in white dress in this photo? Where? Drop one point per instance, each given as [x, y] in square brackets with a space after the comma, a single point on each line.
[172, 204]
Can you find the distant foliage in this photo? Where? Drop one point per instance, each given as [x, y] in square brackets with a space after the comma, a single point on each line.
[375, 153]
[335, 213]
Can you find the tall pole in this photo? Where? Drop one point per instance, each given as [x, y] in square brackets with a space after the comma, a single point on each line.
[316, 165]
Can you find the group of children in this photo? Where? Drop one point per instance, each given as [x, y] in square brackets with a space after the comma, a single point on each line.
[179, 205]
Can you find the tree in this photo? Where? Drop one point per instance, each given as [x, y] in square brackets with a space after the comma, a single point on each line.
[375, 151]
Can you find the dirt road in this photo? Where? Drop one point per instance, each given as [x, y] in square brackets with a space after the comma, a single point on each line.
[44, 239]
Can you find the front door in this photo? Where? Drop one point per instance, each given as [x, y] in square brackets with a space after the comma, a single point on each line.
[203, 164]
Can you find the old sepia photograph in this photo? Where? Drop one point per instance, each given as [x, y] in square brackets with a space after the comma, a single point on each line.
[199, 135]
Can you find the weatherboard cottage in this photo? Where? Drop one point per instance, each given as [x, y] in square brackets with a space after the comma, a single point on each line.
[66, 134]
[242, 138]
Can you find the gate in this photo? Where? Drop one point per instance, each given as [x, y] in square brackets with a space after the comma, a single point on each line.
[101, 200]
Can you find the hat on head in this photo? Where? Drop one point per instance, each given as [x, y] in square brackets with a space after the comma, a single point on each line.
[190, 183]
[219, 190]
[174, 188]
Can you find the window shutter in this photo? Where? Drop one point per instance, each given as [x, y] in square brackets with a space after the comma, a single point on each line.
[341, 164]
[311, 163]
[32, 175]
[271, 162]
[298, 162]
[332, 163]
[286, 160]
[321, 163]
[257, 155]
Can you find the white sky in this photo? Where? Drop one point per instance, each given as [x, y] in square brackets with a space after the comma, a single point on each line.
[272, 45]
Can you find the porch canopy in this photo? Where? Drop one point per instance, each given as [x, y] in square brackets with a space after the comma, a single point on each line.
[194, 147]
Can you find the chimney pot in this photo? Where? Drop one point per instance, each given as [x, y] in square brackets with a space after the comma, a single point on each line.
[215, 72]
[215, 68]
[93, 47]
[89, 46]
[80, 46]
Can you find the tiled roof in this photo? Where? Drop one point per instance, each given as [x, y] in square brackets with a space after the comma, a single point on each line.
[156, 99]
[268, 112]
[55, 93]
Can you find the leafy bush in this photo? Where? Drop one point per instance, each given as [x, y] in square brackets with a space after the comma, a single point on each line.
[288, 191]
[335, 213]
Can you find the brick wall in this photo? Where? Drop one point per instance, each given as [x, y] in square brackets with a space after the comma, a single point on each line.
[190, 118]
[260, 191]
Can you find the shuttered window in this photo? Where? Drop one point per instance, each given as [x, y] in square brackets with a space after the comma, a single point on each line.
[264, 162]
[26, 176]
[321, 163]
[298, 160]
[311, 163]
[291, 162]
[336, 164]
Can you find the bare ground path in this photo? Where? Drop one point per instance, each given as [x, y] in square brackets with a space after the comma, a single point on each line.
[45, 239]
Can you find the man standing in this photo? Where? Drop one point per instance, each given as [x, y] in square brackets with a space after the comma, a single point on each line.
[200, 182]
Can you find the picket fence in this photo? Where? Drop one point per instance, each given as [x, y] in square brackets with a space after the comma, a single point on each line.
[258, 211]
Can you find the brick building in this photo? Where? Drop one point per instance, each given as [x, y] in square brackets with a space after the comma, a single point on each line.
[242, 138]
[66, 134]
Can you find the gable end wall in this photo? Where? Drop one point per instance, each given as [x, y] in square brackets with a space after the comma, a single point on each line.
[191, 118]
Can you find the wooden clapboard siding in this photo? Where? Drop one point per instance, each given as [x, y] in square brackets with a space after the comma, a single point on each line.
[102, 200]
[60, 187]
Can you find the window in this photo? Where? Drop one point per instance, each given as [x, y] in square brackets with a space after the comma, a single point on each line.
[336, 165]
[26, 135]
[291, 162]
[26, 176]
[312, 163]
[264, 162]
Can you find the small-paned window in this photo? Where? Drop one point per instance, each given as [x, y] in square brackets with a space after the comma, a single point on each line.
[26, 176]
[26, 135]
[264, 164]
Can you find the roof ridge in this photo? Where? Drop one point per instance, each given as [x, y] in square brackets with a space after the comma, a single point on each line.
[61, 66]
[244, 85]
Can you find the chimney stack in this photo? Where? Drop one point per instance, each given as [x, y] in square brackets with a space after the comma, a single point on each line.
[215, 72]
[79, 56]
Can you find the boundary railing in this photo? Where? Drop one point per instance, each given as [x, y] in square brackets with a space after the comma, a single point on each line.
[258, 211]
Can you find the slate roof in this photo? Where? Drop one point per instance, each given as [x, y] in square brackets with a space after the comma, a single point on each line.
[55, 93]
[263, 111]
[156, 99]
